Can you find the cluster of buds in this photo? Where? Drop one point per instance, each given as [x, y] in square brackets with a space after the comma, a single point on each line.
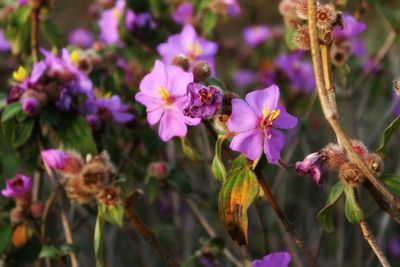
[334, 158]
[295, 13]
[84, 180]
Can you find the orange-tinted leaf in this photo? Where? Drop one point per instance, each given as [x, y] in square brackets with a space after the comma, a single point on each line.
[20, 235]
[236, 195]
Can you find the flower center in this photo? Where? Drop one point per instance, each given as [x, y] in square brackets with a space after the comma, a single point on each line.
[18, 182]
[195, 49]
[116, 14]
[269, 116]
[206, 96]
[165, 95]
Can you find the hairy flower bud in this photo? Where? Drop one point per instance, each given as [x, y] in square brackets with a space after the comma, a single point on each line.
[326, 16]
[301, 9]
[222, 117]
[181, 61]
[201, 71]
[32, 101]
[359, 148]
[37, 210]
[17, 215]
[109, 196]
[158, 170]
[334, 156]
[301, 38]
[350, 174]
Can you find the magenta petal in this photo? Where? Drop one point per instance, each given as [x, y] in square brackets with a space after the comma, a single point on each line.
[243, 118]
[54, 158]
[150, 85]
[172, 124]
[178, 80]
[249, 143]
[154, 115]
[277, 259]
[284, 120]
[188, 37]
[274, 142]
[268, 97]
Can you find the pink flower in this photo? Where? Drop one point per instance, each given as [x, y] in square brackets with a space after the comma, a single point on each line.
[163, 92]
[63, 161]
[276, 259]
[256, 122]
[17, 187]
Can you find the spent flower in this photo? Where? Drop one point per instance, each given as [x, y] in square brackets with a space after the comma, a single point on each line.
[17, 187]
[203, 102]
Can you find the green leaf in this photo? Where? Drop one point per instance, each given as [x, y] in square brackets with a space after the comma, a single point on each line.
[49, 252]
[217, 166]
[113, 214]
[352, 210]
[22, 132]
[387, 134]
[190, 261]
[393, 182]
[209, 21]
[74, 133]
[11, 111]
[50, 32]
[289, 34]
[5, 236]
[98, 241]
[188, 150]
[237, 193]
[68, 248]
[324, 216]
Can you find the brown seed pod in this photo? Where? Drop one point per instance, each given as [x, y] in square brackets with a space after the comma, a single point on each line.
[375, 163]
[201, 71]
[182, 62]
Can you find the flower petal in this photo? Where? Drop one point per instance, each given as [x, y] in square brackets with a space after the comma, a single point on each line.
[268, 97]
[171, 124]
[274, 142]
[151, 83]
[242, 118]
[178, 81]
[284, 120]
[249, 143]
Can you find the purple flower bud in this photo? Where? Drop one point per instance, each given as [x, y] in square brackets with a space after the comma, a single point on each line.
[203, 101]
[276, 259]
[18, 186]
[312, 166]
[30, 105]
[81, 37]
[4, 44]
[61, 160]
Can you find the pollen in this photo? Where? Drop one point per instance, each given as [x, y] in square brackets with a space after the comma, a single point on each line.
[20, 74]
[116, 13]
[164, 93]
[269, 115]
[74, 57]
[195, 49]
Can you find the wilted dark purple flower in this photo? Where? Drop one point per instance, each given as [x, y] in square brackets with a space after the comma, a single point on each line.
[276, 259]
[18, 186]
[299, 72]
[256, 35]
[203, 101]
[244, 77]
[311, 166]
[4, 44]
[183, 13]
[81, 37]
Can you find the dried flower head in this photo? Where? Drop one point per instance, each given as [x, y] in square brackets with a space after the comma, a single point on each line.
[359, 148]
[396, 86]
[350, 174]
[77, 192]
[301, 38]
[109, 196]
[375, 163]
[326, 16]
[334, 155]
[301, 9]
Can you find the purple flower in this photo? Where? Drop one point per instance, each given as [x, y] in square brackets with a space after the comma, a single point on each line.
[145, 19]
[163, 92]
[244, 77]
[61, 160]
[4, 44]
[393, 246]
[232, 7]
[30, 105]
[311, 166]
[81, 37]
[18, 186]
[276, 259]
[22, 2]
[203, 101]
[108, 109]
[183, 13]
[256, 35]
[256, 122]
[187, 43]
[109, 21]
[299, 72]
[351, 31]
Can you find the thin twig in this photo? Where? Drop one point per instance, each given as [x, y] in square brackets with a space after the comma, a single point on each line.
[285, 222]
[147, 234]
[35, 11]
[370, 238]
[332, 115]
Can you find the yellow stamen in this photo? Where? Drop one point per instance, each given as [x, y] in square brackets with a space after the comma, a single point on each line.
[270, 115]
[195, 49]
[20, 74]
[116, 14]
[164, 93]
[74, 57]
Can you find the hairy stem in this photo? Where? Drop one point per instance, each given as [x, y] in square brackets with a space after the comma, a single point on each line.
[146, 233]
[370, 238]
[331, 114]
[285, 222]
